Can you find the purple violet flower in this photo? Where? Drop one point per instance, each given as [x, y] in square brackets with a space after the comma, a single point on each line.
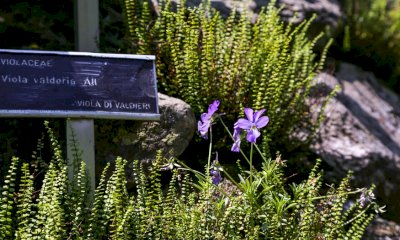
[253, 122]
[206, 119]
[215, 177]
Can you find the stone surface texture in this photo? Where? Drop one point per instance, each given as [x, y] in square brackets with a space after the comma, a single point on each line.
[140, 140]
[381, 229]
[361, 133]
[295, 11]
[171, 134]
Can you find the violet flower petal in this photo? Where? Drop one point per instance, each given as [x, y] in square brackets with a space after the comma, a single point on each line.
[202, 128]
[215, 177]
[236, 133]
[252, 135]
[249, 114]
[244, 124]
[213, 107]
[236, 146]
[262, 122]
[236, 137]
[258, 114]
[205, 117]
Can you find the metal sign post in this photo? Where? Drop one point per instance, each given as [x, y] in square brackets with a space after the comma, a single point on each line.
[86, 37]
[86, 25]
[82, 131]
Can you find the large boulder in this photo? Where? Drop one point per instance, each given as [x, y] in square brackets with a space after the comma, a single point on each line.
[295, 11]
[328, 12]
[140, 140]
[361, 133]
[381, 229]
[171, 134]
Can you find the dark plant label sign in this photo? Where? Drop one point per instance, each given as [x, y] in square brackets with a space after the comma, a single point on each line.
[77, 85]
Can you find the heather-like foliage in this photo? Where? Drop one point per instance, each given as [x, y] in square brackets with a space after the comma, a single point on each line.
[261, 205]
[7, 204]
[200, 56]
[370, 36]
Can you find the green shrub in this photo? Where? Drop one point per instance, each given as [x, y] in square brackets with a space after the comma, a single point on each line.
[260, 206]
[370, 36]
[200, 56]
[37, 25]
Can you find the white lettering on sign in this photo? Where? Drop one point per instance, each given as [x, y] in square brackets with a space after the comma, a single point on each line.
[90, 81]
[14, 79]
[132, 106]
[52, 80]
[48, 80]
[108, 103]
[26, 62]
[91, 103]
[88, 103]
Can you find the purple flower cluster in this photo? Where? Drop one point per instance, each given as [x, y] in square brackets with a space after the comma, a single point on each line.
[251, 125]
[206, 119]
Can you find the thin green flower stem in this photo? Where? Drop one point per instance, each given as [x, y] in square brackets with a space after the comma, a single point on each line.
[251, 162]
[263, 156]
[259, 152]
[198, 174]
[336, 195]
[227, 129]
[355, 217]
[202, 176]
[208, 179]
[209, 155]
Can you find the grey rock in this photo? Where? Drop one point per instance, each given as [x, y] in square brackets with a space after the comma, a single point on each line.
[361, 133]
[294, 11]
[381, 229]
[140, 140]
[171, 134]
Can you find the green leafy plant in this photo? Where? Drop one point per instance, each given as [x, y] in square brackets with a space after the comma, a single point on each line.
[370, 36]
[7, 204]
[193, 205]
[43, 25]
[279, 212]
[201, 56]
